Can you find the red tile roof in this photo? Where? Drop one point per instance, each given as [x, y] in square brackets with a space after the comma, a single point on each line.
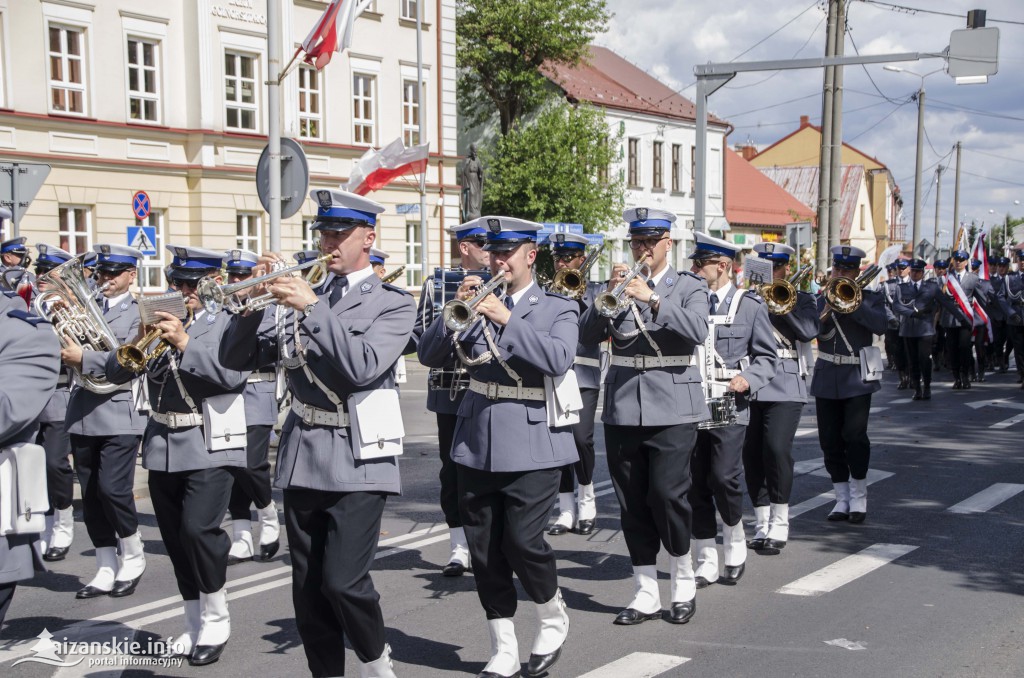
[608, 80]
[754, 199]
[802, 184]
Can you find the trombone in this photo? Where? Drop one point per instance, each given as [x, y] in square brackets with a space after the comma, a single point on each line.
[780, 295]
[572, 282]
[844, 295]
[459, 315]
[610, 304]
[393, 276]
[215, 297]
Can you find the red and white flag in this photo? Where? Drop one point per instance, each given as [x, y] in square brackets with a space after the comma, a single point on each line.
[377, 169]
[980, 253]
[332, 32]
[984, 320]
[952, 286]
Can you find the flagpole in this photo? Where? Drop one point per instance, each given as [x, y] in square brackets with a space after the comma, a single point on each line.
[274, 119]
[424, 252]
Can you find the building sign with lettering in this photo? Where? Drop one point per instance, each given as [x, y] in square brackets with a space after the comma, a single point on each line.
[240, 10]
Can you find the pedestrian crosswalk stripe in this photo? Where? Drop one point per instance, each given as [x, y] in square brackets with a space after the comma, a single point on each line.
[844, 571]
[638, 665]
[987, 498]
[874, 475]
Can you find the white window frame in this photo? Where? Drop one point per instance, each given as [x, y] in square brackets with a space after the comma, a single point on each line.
[407, 9]
[413, 274]
[358, 100]
[142, 95]
[66, 228]
[302, 82]
[247, 240]
[309, 236]
[83, 58]
[410, 108]
[241, 106]
[156, 263]
[4, 61]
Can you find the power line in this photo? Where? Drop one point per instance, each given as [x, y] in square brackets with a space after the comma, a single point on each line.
[916, 10]
[765, 108]
[1001, 181]
[993, 155]
[876, 124]
[867, 72]
[946, 105]
[795, 54]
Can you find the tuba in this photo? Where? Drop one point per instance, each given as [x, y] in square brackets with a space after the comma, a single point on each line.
[780, 295]
[844, 295]
[572, 282]
[610, 304]
[71, 307]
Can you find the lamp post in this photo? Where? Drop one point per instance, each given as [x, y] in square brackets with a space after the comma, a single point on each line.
[1006, 229]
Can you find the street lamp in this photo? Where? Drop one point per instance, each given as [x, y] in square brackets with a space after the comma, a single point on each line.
[920, 149]
[1006, 228]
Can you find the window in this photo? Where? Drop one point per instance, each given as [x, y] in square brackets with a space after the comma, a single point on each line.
[240, 91]
[410, 113]
[67, 69]
[363, 105]
[143, 81]
[310, 238]
[602, 170]
[409, 9]
[634, 163]
[247, 230]
[74, 223]
[413, 274]
[310, 100]
[658, 167]
[693, 170]
[151, 275]
[677, 151]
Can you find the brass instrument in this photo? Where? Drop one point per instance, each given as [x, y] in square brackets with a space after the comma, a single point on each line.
[216, 297]
[844, 295]
[610, 304]
[572, 282]
[460, 315]
[135, 357]
[394, 275]
[780, 295]
[77, 319]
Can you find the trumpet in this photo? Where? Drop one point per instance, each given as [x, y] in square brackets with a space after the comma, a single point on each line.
[215, 297]
[610, 304]
[460, 315]
[780, 295]
[136, 356]
[572, 282]
[844, 295]
[393, 276]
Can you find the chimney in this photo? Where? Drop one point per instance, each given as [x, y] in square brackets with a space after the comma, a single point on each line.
[805, 121]
[748, 151]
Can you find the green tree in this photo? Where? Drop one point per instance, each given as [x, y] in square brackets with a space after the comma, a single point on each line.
[502, 46]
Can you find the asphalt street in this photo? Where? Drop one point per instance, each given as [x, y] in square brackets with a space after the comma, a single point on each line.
[931, 585]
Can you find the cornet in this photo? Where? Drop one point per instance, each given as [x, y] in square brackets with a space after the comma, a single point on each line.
[780, 295]
[135, 357]
[460, 315]
[610, 304]
[572, 282]
[215, 297]
[844, 295]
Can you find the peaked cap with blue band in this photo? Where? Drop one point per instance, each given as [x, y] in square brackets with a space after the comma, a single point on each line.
[847, 256]
[51, 257]
[975, 263]
[917, 265]
[902, 263]
[648, 220]
[940, 263]
[338, 210]
[306, 255]
[962, 255]
[1005, 261]
[470, 229]
[14, 245]
[891, 266]
[568, 242]
[1019, 252]
[192, 263]
[116, 258]
[507, 233]
[775, 251]
[240, 262]
[706, 246]
[378, 256]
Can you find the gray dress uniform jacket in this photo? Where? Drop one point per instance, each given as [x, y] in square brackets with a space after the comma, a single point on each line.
[29, 356]
[917, 308]
[512, 435]
[888, 290]
[1013, 286]
[951, 316]
[203, 376]
[111, 414]
[589, 375]
[56, 409]
[439, 401]
[261, 408]
[839, 382]
[799, 325]
[996, 309]
[351, 348]
[656, 396]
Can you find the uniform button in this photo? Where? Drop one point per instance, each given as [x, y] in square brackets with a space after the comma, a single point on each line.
[316, 329]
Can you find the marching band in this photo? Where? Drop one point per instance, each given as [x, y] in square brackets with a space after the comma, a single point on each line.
[705, 379]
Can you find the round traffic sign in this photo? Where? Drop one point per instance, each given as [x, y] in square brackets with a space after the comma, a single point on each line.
[140, 204]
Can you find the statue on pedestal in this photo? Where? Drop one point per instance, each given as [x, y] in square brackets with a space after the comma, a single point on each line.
[471, 178]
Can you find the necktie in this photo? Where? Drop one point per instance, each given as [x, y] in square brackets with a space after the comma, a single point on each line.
[650, 284]
[106, 305]
[509, 303]
[338, 290]
[714, 303]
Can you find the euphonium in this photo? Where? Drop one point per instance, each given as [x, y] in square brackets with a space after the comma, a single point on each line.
[77, 319]
[780, 295]
[215, 297]
[393, 276]
[572, 282]
[460, 315]
[610, 304]
[844, 295]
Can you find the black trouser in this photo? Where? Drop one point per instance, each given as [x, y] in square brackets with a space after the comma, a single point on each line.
[1015, 333]
[106, 474]
[189, 507]
[958, 343]
[252, 483]
[939, 357]
[60, 479]
[843, 435]
[504, 515]
[995, 349]
[919, 352]
[6, 595]
[650, 469]
[980, 340]
[768, 451]
[894, 349]
[449, 474]
[716, 468]
[583, 435]
[333, 540]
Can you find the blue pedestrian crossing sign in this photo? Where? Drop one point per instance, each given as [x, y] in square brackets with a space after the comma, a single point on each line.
[143, 238]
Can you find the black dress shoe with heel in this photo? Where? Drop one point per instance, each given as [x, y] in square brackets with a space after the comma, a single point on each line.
[702, 583]
[124, 588]
[55, 553]
[267, 551]
[631, 617]
[680, 613]
[757, 543]
[90, 592]
[205, 654]
[454, 569]
[540, 663]
[837, 516]
[857, 517]
[584, 527]
[558, 529]
[732, 574]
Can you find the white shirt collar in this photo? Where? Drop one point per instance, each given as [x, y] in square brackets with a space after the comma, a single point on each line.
[656, 279]
[722, 292]
[521, 293]
[116, 301]
[354, 278]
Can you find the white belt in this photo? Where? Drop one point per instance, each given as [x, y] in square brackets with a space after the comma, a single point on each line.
[650, 362]
[62, 380]
[786, 353]
[839, 359]
[492, 390]
[174, 420]
[723, 373]
[257, 377]
[314, 416]
[588, 362]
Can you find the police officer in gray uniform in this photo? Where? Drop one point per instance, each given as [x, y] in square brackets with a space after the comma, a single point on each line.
[344, 344]
[985, 295]
[652, 403]
[105, 430]
[740, 357]
[190, 484]
[894, 348]
[252, 481]
[14, 260]
[775, 410]
[996, 315]
[914, 302]
[1012, 301]
[444, 398]
[509, 458]
[959, 325]
[569, 251]
[842, 398]
[29, 360]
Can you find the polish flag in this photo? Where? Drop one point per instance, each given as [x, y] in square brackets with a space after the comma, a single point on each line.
[377, 169]
[332, 32]
[952, 286]
[980, 253]
[983, 318]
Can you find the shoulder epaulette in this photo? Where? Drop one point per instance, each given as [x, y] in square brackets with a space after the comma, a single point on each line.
[30, 318]
[389, 286]
[754, 296]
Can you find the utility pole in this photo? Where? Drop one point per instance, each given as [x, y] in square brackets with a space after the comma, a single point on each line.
[825, 158]
[274, 119]
[916, 237]
[836, 172]
[938, 193]
[956, 192]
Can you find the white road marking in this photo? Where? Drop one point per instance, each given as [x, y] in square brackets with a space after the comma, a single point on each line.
[1008, 422]
[802, 468]
[987, 498]
[873, 410]
[874, 475]
[638, 665]
[801, 432]
[846, 644]
[844, 571]
[896, 401]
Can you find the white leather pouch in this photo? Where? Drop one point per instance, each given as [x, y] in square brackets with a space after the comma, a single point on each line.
[563, 400]
[375, 418]
[224, 422]
[871, 364]
[23, 500]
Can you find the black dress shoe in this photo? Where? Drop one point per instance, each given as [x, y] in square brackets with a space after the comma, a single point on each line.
[492, 674]
[857, 517]
[757, 543]
[702, 583]
[957, 385]
[732, 574]
[584, 527]
[91, 592]
[268, 551]
[558, 529]
[682, 612]
[631, 617]
[55, 553]
[837, 516]
[927, 392]
[540, 663]
[205, 654]
[235, 560]
[774, 544]
[918, 395]
[454, 569]
[124, 588]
